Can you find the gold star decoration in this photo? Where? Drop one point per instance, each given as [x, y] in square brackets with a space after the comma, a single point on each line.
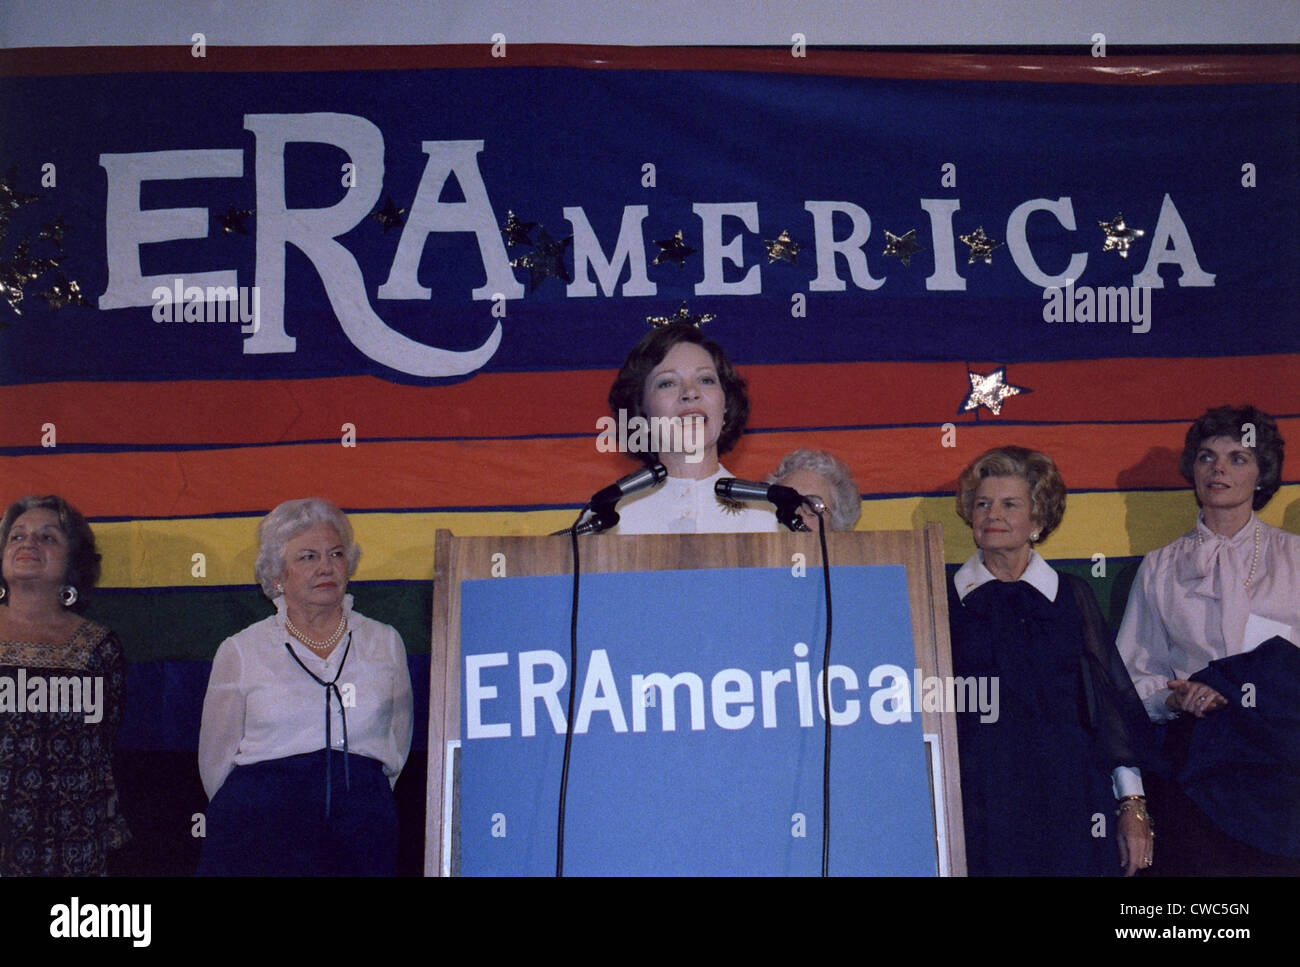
[390, 216]
[547, 262]
[902, 247]
[516, 232]
[673, 250]
[990, 391]
[20, 268]
[9, 198]
[782, 247]
[233, 221]
[64, 293]
[681, 316]
[1119, 236]
[981, 246]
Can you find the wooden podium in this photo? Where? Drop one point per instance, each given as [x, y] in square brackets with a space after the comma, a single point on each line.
[458, 560]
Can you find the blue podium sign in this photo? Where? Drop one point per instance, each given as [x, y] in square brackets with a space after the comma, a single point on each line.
[698, 727]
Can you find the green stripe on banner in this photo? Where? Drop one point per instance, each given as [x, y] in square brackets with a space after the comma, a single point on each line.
[157, 624]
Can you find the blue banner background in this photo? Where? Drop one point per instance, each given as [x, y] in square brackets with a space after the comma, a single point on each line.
[557, 137]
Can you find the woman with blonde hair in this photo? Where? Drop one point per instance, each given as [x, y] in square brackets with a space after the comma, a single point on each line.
[1049, 784]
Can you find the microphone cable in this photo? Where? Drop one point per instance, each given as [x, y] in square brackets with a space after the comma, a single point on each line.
[568, 720]
[826, 701]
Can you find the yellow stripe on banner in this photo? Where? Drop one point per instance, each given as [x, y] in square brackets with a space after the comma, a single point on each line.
[1114, 524]
[399, 547]
[213, 551]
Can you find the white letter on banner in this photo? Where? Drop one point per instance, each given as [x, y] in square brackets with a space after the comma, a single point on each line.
[587, 255]
[823, 213]
[315, 232]
[723, 697]
[667, 688]
[599, 694]
[899, 693]
[715, 252]
[428, 215]
[530, 690]
[852, 707]
[768, 680]
[476, 693]
[945, 278]
[1018, 242]
[1170, 228]
[129, 227]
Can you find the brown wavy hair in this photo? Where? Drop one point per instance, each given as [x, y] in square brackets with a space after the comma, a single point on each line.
[1046, 488]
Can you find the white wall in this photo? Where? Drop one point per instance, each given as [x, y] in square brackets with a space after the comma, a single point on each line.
[61, 23]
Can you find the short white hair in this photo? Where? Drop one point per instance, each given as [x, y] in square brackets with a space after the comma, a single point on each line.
[285, 523]
[844, 500]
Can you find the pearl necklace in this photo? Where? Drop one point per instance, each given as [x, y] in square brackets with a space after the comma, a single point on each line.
[312, 643]
[1254, 558]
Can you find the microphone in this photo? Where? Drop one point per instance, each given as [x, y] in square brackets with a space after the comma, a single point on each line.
[787, 499]
[730, 488]
[603, 515]
[633, 483]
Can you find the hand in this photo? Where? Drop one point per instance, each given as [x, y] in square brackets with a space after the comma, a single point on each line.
[1136, 841]
[1193, 697]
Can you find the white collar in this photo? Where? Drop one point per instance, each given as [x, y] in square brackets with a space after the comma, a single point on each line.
[722, 472]
[1239, 539]
[1038, 574]
[704, 482]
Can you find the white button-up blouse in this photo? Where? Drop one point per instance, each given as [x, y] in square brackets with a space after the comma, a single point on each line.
[261, 705]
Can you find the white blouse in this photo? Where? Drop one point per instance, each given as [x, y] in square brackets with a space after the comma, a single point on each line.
[261, 705]
[1190, 605]
[683, 506]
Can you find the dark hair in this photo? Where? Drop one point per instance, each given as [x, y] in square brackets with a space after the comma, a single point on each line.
[1230, 421]
[1046, 488]
[628, 391]
[83, 558]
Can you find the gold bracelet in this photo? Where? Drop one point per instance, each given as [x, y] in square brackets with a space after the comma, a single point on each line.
[1138, 806]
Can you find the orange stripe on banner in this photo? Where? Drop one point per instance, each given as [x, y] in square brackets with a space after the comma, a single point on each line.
[1117, 68]
[529, 473]
[243, 412]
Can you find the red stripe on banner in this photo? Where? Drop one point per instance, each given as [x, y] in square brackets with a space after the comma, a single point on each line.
[523, 473]
[496, 405]
[1210, 68]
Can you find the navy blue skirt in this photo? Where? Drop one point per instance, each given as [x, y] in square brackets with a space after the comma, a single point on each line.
[268, 819]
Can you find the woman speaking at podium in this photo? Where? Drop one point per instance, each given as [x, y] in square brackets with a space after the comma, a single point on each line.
[676, 376]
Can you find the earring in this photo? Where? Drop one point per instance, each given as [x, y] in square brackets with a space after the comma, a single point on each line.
[68, 594]
[3, 591]
[1033, 538]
